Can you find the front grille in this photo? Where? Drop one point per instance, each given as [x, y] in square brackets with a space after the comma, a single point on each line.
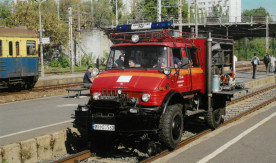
[109, 92]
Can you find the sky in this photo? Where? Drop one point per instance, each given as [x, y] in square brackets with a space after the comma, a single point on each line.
[269, 5]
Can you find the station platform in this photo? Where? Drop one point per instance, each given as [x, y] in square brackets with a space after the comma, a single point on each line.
[51, 80]
[261, 80]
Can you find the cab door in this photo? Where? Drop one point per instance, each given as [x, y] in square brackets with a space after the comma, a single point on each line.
[180, 76]
[197, 74]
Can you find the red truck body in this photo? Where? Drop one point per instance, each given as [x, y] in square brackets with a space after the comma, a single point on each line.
[168, 83]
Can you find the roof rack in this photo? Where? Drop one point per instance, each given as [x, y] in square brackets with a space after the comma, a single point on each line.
[165, 35]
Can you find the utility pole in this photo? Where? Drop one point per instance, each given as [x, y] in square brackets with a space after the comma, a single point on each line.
[58, 12]
[91, 8]
[79, 40]
[40, 38]
[196, 27]
[267, 35]
[189, 14]
[116, 12]
[92, 13]
[180, 15]
[227, 32]
[159, 6]
[71, 39]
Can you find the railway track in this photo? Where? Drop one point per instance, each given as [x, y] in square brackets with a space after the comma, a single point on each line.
[60, 86]
[40, 89]
[87, 154]
[39, 92]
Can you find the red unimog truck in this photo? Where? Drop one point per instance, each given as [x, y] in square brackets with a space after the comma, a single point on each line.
[155, 79]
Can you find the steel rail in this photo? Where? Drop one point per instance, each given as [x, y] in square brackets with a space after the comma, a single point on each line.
[59, 86]
[75, 157]
[42, 88]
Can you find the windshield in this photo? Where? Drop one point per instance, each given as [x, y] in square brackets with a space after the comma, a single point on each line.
[138, 57]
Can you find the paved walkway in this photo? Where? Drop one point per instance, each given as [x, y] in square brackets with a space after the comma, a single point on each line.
[250, 139]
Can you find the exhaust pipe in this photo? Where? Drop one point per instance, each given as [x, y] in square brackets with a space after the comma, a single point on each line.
[209, 72]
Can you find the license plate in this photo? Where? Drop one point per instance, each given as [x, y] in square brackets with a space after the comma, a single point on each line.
[104, 127]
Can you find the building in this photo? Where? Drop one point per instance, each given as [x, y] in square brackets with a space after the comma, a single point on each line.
[231, 8]
[128, 5]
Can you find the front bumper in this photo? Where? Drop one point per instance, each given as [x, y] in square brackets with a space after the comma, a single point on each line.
[146, 120]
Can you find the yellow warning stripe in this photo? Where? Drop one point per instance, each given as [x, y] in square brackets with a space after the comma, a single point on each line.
[196, 70]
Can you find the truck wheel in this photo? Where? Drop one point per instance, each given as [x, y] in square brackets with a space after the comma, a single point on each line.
[171, 126]
[214, 118]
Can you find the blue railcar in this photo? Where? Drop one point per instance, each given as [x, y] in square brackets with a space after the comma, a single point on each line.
[18, 58]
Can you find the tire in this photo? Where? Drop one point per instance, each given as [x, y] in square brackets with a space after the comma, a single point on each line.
[214, 118]
[171, 126]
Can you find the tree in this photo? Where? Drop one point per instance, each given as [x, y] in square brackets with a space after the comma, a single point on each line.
[215, 11]
[261, 12]
[26, 14]
[255, 12]
[5, 13]
[103, 14]
[120, 7]
[169, 9]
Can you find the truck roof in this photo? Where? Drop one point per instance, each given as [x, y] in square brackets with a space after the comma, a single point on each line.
[151, 36]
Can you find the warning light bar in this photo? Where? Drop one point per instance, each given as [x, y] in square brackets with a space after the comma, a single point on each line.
[140, 26]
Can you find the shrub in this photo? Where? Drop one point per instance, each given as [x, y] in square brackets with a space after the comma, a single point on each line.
[54, 63]
[64, 61]
[87, 59]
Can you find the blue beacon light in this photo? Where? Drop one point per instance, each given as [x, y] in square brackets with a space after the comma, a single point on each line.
[153, 26]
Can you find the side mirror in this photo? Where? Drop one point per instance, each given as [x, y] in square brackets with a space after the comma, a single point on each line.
[95, 71]
[184, 62]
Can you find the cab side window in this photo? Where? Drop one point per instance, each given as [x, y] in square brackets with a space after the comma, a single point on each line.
[1, 52]
[193, 55]
[176, 57]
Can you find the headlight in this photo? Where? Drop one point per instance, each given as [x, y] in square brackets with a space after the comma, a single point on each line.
[135, 38]
[96, 95]
[95, 71]
[167, 71]
[119, 92]
[145, 97]
[84, 108]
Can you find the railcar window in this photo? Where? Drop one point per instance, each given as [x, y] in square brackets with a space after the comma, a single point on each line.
[0, 48]
[30, 47]
[10, 48]
[17, 48]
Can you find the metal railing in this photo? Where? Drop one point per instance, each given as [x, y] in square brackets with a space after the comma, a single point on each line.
[201, 21]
